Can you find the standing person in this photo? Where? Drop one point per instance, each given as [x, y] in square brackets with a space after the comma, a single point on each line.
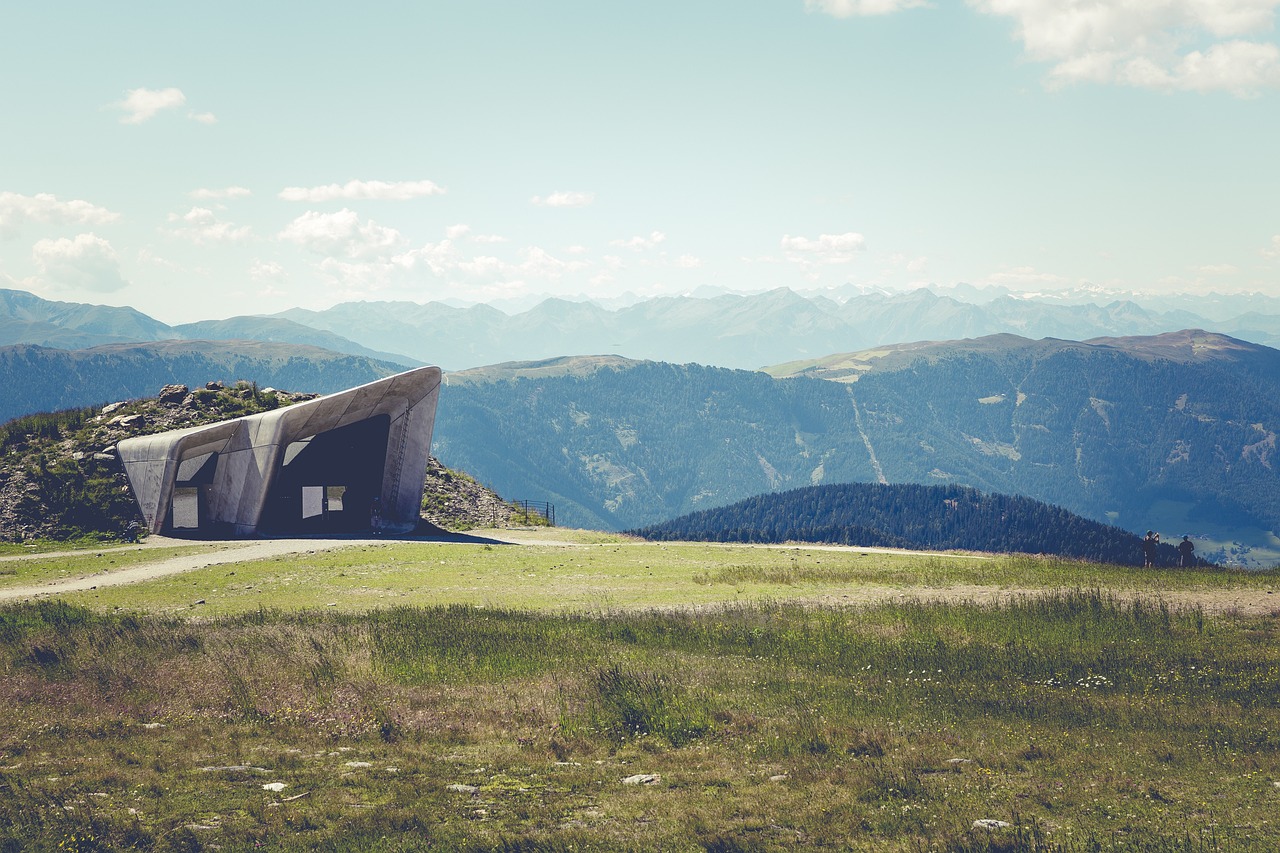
[1186, 550]
[1150, 547]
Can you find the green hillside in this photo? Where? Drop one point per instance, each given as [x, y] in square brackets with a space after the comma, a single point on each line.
[938, 518]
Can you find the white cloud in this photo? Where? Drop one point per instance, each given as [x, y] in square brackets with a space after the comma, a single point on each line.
[267, 271]
[44, 208]
[564, 199]
[219, 194]
[146, 256]
[1024, 275]
[341, 233]
[446, 263]
[687, 262]
[827, 249]
[201, 225]
[202, 118]
[85, 263]
[1218, 269]
[378, 190]
[1272, 250]
[1189, 45]
[140, 105]
[640, 244]
[861, 8]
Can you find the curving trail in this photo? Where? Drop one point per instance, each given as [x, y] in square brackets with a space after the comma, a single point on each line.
[235, 552]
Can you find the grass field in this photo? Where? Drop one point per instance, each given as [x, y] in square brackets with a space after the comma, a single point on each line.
[562, 697]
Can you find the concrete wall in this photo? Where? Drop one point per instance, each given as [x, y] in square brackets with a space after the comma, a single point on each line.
[250, 452]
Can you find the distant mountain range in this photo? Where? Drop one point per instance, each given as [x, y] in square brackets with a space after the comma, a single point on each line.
[1174, 432]
[28, 319]
[728, 330]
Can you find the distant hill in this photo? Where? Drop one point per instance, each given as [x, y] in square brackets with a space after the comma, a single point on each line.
[28, 319]
[37, 379]
[909, 516]
[1172, 432]
[280, 330]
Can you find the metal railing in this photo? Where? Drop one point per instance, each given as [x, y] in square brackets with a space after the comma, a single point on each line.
[531, 511]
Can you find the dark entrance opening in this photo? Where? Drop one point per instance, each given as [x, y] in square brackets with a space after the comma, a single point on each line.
[327, 483]
[189, 506]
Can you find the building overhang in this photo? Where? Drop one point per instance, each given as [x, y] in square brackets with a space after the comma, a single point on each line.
[250, 453]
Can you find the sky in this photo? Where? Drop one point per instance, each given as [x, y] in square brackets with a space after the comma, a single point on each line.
[205, 160]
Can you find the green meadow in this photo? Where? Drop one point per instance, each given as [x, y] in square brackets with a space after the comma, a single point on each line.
[598, 693]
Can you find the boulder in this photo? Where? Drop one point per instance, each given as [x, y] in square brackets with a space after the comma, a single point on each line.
[173, 393]
[127, 421]
[642, 779]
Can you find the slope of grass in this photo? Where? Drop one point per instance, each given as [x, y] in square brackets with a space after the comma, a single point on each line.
[1083, 721]
[488, 697]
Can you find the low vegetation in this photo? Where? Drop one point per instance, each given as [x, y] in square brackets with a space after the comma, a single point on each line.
[60, 478]
[1077, 719]
[907, 515]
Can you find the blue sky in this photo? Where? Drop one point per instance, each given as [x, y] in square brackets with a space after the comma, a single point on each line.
[201, 161]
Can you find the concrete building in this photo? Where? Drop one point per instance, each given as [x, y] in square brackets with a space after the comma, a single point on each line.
[345, 462]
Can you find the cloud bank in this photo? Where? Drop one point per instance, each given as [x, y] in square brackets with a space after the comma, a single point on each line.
[378, 190]
[46, 209]
[86, 263]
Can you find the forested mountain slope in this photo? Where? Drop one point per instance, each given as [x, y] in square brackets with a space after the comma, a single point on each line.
[909, 516]
[39, 379]
[1118, 430]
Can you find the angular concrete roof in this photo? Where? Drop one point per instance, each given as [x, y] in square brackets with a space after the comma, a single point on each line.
[250, 452]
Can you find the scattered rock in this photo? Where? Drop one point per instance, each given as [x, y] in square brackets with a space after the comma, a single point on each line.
[642, 779]
[780, 777]
[959, 761]
[127, 421]
[113, 407]
[990, 824]
[173, 393]
[358, 764]
[274, 786]
[215, 385]
[464, 789]
[232, 768]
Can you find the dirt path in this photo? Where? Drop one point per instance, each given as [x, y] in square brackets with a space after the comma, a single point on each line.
[235, 552]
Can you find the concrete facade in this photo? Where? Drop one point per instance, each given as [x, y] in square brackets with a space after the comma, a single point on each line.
[363, 451]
